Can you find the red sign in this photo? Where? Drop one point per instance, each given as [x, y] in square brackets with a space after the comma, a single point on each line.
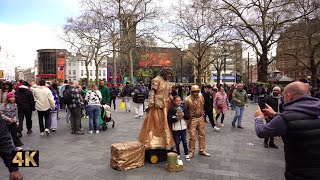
[156, 59]
[60, 72]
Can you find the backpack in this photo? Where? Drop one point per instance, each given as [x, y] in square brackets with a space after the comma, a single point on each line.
[67, 98]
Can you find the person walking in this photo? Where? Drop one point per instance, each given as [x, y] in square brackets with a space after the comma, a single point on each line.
[9, 113]
[74, 102]
[138, 99]
[113, 93]
[26, 104]
[126, 94]
[240, 99]
[93, 98]
[177, 117]
[54, 111]
[44, 102]
[85, 111]
[208, 106]
[299, 126]
[221, 104]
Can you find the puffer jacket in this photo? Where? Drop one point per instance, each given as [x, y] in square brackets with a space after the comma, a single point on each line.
[178, 125]
[24, 98]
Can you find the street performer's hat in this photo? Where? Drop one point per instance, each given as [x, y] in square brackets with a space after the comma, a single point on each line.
[208, 86]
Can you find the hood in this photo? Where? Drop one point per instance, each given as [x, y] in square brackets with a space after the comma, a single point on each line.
[23, 87]
[305, 104]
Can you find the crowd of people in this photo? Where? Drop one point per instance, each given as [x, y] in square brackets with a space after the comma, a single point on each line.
[187, 110]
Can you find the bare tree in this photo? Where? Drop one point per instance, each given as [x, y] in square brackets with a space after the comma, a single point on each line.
[305, 38]
[200, 25]
[259, 22]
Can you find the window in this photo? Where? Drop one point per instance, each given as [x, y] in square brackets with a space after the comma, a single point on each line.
[74, 72]
[90, 72]
[99, 72]
[69, 72]
[81, 72]
[81, 63]
[104, 72]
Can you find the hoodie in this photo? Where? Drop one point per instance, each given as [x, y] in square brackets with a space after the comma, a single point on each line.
[277, 127]
[24, 98]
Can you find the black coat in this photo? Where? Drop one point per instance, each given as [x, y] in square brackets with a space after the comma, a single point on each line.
[208, 102]
[25, 99]
[172, 111]
[6, 146]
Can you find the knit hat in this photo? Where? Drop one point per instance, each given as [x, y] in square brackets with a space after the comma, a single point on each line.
[277, 88]
[10, 94]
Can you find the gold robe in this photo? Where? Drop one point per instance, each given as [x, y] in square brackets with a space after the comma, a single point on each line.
[155, 132]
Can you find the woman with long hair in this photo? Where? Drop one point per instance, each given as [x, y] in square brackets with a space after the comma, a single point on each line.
[221, 104]
[93, 98]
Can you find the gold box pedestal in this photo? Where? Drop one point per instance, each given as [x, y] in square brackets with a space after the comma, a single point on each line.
[127, 155]
[172, 163]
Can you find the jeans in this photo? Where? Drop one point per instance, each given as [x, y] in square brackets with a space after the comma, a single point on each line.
[222, 118]
[75, 118]
[113, 100]
[12, 128]
[178, 137]
[255, 99]
[211, 119]
[139, 109]
[126, 100]
[45, 115]
[93, 116]
[238, 116]
[24, 113]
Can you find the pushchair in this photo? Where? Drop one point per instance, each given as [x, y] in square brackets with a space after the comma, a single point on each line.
[106, 117]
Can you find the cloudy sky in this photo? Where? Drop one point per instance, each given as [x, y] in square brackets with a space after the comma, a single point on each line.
[28, 25]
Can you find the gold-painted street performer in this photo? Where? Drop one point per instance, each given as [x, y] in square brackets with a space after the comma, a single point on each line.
[194, 103]
[155, 132]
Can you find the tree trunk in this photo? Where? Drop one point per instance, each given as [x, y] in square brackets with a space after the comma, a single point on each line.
[87, 72]
[314, 71]
[263, 66]
[114, 64]
[199, 72]
[218, 77]
[131, 66]
[97, 72]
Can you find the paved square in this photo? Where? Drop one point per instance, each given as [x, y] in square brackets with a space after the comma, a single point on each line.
[87, 157]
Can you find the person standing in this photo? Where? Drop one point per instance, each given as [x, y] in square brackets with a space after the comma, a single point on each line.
[113, 93]
[93, 97]
[240, 99]
[155, 132]
[6, 88]
[138, 99]
[299, 126]
[177, 117]
[274, 101]
[54, 111]
[75, 107]
[105, 92]
[221, 104]
[9, 113]
[85, 110]
[44, 102]
[26, 104]
[194, 103]
[208, 106]
[126, 94]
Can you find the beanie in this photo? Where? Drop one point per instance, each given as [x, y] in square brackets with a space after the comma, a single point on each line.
[10, 94]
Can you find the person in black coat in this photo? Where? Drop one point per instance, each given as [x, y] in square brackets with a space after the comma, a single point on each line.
[208, 106]
[6, 149]
[26, 104]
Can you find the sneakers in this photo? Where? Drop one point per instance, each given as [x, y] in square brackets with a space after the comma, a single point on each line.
[29, 131]
[178, 157]
[203, 153]
[216, 129]
[19, 148]
[191, 155]
[53, 129]
[187, 158]
[47, 131]
[90, 132]
[42, 133]
[97, 131]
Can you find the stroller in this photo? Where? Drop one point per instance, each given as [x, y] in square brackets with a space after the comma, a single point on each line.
[106, 117]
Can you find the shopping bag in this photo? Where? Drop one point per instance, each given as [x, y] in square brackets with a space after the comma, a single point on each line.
[215, 113]
[122, 105]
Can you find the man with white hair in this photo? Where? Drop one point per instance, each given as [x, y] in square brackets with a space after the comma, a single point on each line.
[274, 101]
[75, 109]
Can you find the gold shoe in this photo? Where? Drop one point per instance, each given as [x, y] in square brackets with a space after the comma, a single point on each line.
[203, 153]
[191, 155]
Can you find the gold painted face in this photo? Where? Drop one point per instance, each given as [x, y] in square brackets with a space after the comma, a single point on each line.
[195, 94]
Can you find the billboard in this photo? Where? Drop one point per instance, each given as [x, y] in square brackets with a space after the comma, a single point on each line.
[156, 59]
[60, 72]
